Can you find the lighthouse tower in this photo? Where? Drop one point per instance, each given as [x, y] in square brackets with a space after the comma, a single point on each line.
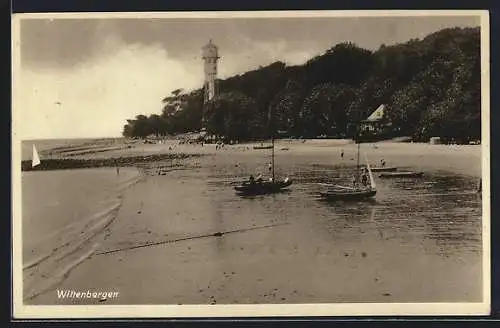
[210, 56]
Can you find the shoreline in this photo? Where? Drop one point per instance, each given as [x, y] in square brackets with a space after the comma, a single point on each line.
[69, 163]
[458, 159]
[153, 236]
[185, 192]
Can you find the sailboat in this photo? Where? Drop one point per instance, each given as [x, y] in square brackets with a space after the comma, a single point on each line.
[271, 186]
[337, 192]
[35, 161]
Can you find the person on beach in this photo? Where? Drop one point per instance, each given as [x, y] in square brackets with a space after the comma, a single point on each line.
[251, 179]
[354, 181]
[117, 170]
[382, 162]
[341, 153]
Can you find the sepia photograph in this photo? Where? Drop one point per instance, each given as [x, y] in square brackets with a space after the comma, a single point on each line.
[228, 164]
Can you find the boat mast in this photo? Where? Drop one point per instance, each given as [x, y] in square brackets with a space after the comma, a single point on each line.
[272, 158]
[357, 166]
[358, 137]
[271, 130]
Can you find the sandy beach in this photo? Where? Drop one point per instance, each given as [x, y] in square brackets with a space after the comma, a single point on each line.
[123, 207]
[284, 248]
[459, 159]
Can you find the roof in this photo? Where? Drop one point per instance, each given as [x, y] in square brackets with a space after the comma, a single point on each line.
[378, 114]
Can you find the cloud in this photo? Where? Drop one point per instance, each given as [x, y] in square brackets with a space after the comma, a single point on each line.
[251, 54]
[104, 71]
[95, 98]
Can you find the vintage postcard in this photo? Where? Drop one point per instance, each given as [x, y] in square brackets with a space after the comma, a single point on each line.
[229, 164]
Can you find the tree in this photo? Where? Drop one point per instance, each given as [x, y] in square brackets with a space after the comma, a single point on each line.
[344, 63]
[156, 125]
[286, 106]
[324, 111]
[231, 115]
[430, 87]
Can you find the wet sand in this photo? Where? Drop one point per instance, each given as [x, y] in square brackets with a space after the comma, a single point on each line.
[298, 251]
[65, 216]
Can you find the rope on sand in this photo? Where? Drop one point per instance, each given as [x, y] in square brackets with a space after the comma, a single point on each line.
[217, 234]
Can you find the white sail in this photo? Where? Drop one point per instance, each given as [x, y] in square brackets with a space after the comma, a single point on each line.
[36, 159]
[372, 181]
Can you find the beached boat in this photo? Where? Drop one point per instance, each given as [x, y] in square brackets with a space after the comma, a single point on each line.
[384, 169]
[337, 192]
[401, 174]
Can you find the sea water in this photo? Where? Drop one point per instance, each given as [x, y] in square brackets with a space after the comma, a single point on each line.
[65, 216]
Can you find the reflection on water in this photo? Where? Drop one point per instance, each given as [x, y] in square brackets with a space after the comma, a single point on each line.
[418, 240]
[441, 209]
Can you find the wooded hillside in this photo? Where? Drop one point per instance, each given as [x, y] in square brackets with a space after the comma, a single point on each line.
[431, 87]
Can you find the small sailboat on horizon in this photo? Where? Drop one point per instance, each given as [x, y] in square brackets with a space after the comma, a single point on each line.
[35, 159]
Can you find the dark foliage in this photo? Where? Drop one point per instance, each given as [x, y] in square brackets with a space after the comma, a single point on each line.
[431, 87]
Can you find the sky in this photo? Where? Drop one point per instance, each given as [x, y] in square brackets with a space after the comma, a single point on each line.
[84, 77]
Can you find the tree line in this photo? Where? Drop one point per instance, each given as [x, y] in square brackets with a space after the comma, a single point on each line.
[430, 87]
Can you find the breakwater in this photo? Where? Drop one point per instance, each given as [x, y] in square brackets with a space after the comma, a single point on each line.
[73, 163]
